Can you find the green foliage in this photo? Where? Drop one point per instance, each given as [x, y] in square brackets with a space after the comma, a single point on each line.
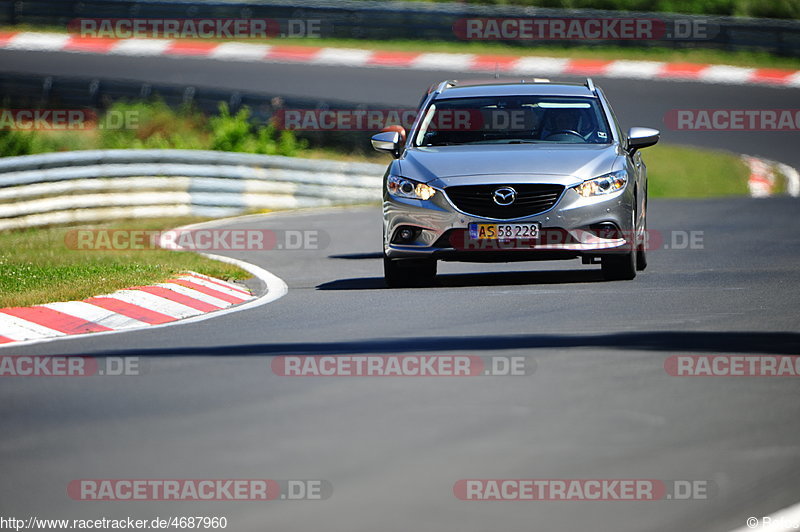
[154, 125]
[231, 132]
[14, 143]
[236, 133]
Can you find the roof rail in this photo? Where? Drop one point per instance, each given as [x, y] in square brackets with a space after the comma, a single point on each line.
[589, 84]
[446, 85]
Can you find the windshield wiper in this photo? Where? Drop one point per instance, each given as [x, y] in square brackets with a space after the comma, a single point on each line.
[504, 141]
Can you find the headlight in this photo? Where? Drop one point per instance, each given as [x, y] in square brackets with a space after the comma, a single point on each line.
[406, 188]
[603, 185]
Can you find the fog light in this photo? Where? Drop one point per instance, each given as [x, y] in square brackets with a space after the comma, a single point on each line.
[406, 235]
[607, 230]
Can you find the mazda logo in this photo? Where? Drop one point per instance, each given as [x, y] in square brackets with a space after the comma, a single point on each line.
[504, 196]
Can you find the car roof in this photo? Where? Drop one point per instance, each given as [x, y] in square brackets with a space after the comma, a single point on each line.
[455, 89]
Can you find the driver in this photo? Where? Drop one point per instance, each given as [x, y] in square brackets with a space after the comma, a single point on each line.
[562, 120]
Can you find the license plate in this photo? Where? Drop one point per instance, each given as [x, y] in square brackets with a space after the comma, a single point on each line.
[503, 231]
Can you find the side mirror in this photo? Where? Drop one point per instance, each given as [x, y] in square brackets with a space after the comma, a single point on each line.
[388, 142]
[642, 137]
[396, 127]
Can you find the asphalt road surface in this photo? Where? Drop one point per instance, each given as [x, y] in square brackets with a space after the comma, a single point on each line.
[599, 404]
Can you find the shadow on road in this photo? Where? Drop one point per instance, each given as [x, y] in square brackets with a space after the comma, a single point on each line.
[458, 280]
[676, 341]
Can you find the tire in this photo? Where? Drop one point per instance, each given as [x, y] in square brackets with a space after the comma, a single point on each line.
[619, 267]
[409, 272]
[641, 257]
[641, 250]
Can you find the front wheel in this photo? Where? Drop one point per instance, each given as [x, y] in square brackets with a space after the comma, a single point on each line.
[619, 267]
[408, 272]
[641, 257]
[641, 249]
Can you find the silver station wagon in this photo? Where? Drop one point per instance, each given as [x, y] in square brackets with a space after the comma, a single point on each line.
[513, 171]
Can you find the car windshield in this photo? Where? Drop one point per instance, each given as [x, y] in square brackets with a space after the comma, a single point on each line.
[513, 120]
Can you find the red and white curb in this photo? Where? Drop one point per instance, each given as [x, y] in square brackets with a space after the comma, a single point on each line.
[354, 57]
[763, 178]
[186, 296]
[187, 299]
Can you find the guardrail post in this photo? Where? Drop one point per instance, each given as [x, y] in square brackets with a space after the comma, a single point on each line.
[188, 96]
[94, 92]
[13, 8]
[235, 102]
[47, 88]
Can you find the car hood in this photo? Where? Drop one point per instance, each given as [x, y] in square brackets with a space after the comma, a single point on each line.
[577, 162]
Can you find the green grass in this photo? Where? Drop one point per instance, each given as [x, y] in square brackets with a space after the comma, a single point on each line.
[683, 172]
[36, 266]
[742, 58]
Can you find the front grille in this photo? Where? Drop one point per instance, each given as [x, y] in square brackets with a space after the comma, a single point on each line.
[531, 199]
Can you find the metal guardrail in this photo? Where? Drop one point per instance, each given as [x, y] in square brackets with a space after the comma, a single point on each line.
[189, 157]
[79, 187]
[400, 20]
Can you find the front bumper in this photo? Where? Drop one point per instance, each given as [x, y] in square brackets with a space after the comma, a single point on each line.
[565, 230]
